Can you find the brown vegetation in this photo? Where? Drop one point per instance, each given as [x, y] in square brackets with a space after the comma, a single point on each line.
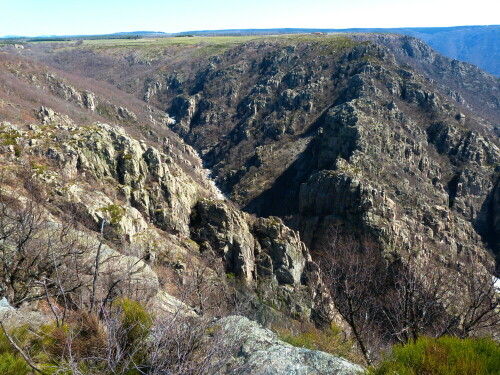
[385, 302]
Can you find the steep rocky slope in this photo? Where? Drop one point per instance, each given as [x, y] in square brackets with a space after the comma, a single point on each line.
[146, 190]
[99, 202]
[375, 132]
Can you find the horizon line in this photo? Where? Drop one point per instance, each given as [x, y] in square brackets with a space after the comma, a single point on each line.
[237, 30]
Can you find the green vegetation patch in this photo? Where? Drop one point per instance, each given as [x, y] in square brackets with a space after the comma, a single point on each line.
[442, 356]
[206, 45]
[11, 364]
[115, 212]
[9, 138]
[38, 169]
[163, 42]
[135, 319]
[329, 340]
[88, 338]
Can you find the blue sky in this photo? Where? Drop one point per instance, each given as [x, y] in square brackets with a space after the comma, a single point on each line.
[58, 17]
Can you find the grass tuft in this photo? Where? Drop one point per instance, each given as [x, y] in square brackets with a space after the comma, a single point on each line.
[442, 356]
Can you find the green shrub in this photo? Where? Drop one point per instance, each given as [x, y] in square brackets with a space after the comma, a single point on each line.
[135, 320]
[5, 346]
[48, 345]
[442, 356]
[22, 336]
[330, 340]
[11, 364]
[115, 212]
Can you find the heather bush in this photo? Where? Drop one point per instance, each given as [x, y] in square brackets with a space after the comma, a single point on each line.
[11, 364]
[10, 361]
[135, 321]
[442, 356]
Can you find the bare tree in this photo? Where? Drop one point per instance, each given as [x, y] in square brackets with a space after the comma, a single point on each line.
[385, 302]
[96, 267]
[429, 298]
[417, 300]
[35, 253]
[354, 273]
[476, 297]
[21, 222]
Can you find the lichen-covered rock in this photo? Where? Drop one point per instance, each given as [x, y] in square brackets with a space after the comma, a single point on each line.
[282, 246]
[155, 186]
[262, 353]
[225, 230]
[269, 256]
[27, 315]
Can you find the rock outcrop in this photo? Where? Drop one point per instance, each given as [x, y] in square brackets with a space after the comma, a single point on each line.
[262, 353]
[266, 254]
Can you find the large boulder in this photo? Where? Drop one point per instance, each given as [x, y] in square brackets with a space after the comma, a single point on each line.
[263, 353]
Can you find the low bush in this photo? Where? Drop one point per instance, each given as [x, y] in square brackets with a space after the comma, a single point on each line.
[442, 356]
[329, 340]
[11, 364]
[135, 320]
[126, 341]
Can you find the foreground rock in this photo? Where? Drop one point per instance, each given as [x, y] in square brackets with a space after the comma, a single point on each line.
[262, 353]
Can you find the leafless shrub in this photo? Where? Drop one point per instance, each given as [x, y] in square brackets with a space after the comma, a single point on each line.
[427, 298]
[130, 340]
[189, 345]
[386, 302]
[32, 249]
[205, 287]
[476, 302]
[417, 301]
[354, 273]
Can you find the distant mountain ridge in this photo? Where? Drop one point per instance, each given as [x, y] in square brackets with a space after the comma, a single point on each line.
[122, 34]
[478, 45]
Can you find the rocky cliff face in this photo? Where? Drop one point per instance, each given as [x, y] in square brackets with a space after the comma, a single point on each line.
[463, 82]
[264, 253]
[156, 208]
[376, 133]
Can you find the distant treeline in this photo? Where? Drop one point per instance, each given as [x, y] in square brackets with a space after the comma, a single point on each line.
[66, 39]
[94, 37]
[47, 40]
